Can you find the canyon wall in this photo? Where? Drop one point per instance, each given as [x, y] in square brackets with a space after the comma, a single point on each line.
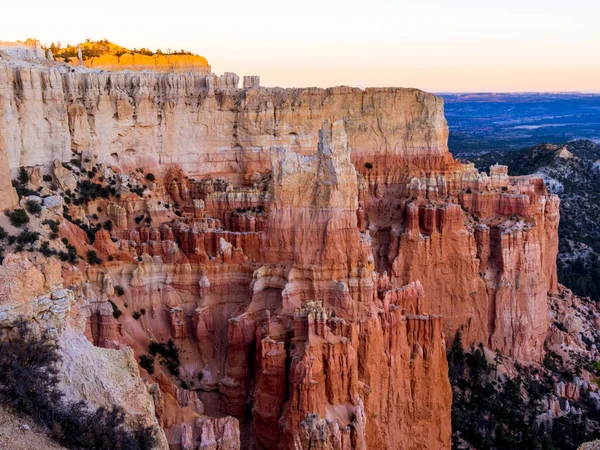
[397, 140]
[308, 253]
[202, 122]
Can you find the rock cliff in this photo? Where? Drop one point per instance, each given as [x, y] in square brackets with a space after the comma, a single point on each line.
[285, 264]
[156, 63]
[202, 122]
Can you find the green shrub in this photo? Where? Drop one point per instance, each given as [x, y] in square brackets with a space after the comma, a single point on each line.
[136, 315]
[52, 224]
[70, 255]
[46, 250]
[3, 233]
[29, 383]
[22, 190]
[28, 370]
[27, 237]
[116, 311]
[169, 353]
[369, 165]
[119, 290]
[89, 190]
[150, 177]
[33, 207]
[23, 176]
[18, 217]
[92, 257]
[147, 362]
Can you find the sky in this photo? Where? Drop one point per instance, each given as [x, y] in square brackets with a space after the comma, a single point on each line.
[435, 45]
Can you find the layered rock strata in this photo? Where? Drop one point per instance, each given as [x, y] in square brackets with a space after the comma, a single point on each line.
[202, 122]
[306, 252]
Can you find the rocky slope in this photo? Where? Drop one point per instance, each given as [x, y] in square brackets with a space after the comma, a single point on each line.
[500, 402]
[284, 264]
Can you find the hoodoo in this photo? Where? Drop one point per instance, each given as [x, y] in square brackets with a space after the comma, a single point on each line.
[286, 265]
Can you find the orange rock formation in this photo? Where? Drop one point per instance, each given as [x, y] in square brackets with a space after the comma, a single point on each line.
[308, 251]
[156, 63]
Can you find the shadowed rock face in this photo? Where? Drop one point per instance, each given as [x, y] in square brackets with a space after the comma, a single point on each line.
[308, 251]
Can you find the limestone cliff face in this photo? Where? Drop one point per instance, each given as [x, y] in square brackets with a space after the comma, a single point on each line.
[202, 122]
[34, 117]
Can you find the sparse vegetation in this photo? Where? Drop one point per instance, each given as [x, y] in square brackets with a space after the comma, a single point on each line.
[52, 224]
[29, 383]
[169, 353]
[20, 184]
[23, 176]
[45, 249]
[88, 190]
[90, 230]
[18, 217]
[490, 412]
[27, 237]
[70, 255]
[33, 207]
[147, 362]
[116, 311]
[92, 257]
[94, 49]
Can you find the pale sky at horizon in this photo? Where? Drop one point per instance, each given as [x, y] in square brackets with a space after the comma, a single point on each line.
[435, 45]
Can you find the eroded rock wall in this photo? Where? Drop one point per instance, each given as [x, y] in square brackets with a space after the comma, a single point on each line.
[307, 252]
[199, 121]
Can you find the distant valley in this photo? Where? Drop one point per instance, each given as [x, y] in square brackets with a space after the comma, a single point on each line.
[484, 122]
